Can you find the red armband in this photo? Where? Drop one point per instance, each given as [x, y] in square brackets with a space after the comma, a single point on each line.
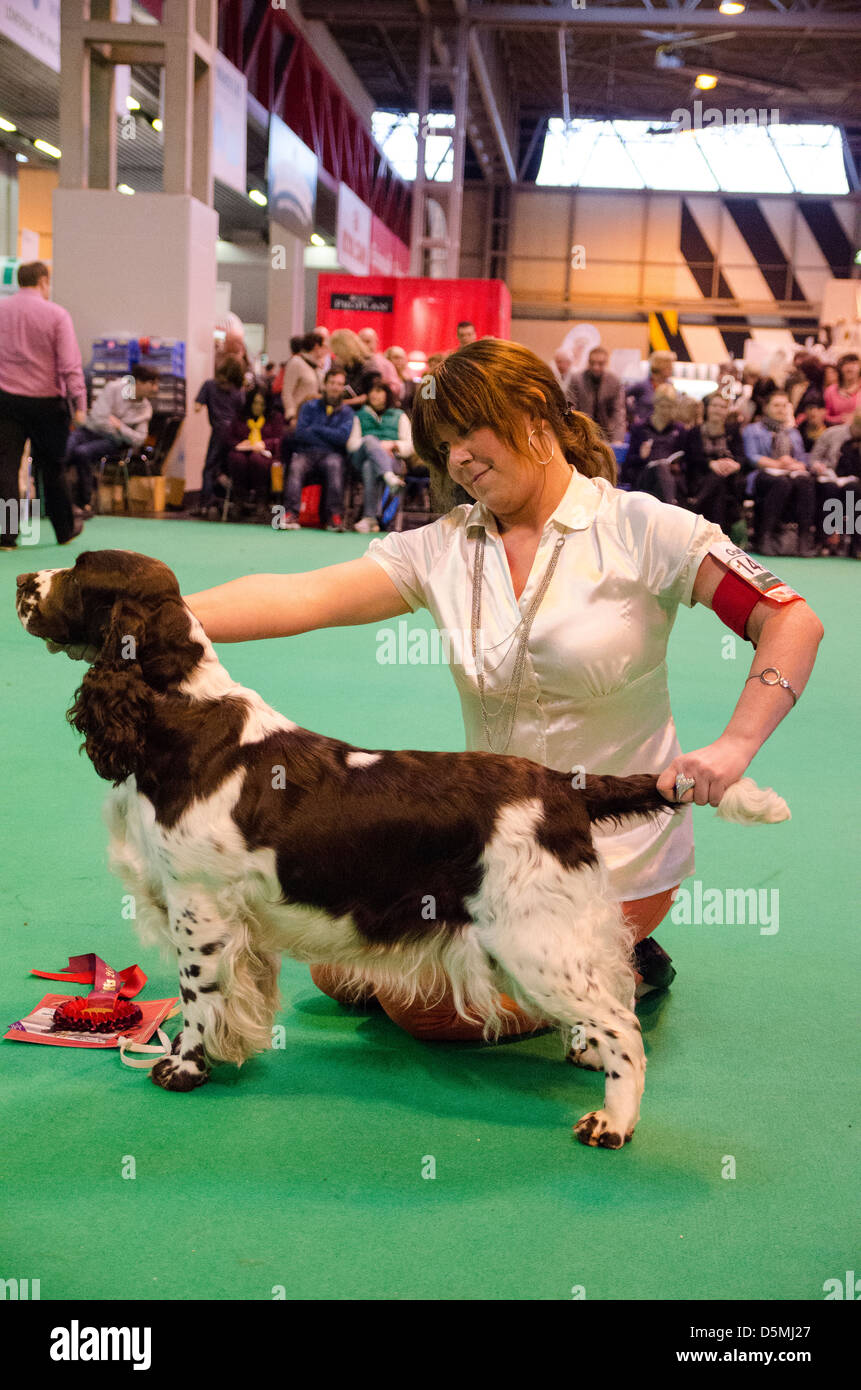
[745, 583]
[734, 601]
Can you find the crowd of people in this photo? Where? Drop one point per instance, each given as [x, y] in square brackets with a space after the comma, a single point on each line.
[767, 457]
[761, 455]
[337, 411]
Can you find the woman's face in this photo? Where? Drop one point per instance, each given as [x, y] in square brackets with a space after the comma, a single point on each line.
[830, 378]
[377, 400]
[662, 412]
[258, 405]
[850, 373]
[489, 469]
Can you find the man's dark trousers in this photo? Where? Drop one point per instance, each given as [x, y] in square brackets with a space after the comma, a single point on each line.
[44, 420]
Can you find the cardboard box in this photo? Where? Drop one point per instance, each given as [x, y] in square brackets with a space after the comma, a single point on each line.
[175, 491]
[110, 499]
[147, 494]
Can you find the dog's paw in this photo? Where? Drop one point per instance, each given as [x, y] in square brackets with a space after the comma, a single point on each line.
[177, 1043]
[182, 1073]
[599, 1131]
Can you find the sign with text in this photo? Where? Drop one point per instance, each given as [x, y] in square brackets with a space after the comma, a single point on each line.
[353, 245]
[229, 125]
[292, 180]
[35, 26]
[363, 303]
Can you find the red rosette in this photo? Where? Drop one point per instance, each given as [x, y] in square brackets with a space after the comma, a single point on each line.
[78, 1015]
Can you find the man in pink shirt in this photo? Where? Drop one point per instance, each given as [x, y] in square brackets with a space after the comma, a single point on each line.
[41, 380]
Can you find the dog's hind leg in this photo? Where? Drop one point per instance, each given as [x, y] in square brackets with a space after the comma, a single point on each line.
[610, 1034]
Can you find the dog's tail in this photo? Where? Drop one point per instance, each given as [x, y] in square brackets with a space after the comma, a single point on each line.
[617, 798]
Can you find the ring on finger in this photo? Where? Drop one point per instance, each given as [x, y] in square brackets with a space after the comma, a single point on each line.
[683, 784]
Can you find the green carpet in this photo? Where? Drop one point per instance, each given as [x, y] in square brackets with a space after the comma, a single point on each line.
[304, 1170]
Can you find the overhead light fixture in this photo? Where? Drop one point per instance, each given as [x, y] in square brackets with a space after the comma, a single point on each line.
[317, 240]
[257, 197]
[133, 104]
[22, 158]
[124, 188]
[158, 124]
[7, 125]
[731, 7]
[705, 81]
[666, 58]
[47, 149]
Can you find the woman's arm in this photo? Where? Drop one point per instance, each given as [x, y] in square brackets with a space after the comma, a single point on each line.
[786, 636]
[282, 605]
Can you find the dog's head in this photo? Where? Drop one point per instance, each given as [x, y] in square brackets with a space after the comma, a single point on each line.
[126, 611]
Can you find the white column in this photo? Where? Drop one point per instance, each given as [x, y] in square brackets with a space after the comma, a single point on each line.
[144, 266]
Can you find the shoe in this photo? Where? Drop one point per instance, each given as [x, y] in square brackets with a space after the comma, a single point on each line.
[288, 522]
[85, 513]
[652, 962]
[8, 545]
[335, 522]
[79, 526]
[393, 481]
[367, 523]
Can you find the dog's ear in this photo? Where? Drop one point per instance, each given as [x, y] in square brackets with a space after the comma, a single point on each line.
[113, 704]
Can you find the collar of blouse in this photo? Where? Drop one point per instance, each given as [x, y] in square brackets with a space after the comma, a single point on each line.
[575, 512]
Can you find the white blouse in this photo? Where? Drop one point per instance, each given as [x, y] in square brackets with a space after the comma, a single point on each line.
[594, 691]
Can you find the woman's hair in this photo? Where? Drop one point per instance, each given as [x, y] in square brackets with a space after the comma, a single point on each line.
[377, 384]
[230, 371]
[348, 347]
[266, 396]
[842, 361]
[812, 370]
[493, 384]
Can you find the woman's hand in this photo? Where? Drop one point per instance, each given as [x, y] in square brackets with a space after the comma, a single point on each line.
[713, 769]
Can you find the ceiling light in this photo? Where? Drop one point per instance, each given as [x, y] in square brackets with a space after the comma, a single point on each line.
[257, 197]
[133, 104]
[706, 81]
[7, 125]
[158, 124]
[317, 240]
[731, 7]
[124, 188]
[22, 158]
[47, 149]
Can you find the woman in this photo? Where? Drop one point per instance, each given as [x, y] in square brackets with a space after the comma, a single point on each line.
[255, 439]
[715, 466]
[387, 440]
[398, 358]
[783, 489]
[655, 450]
[844, 398]
[571, 587]
[357, 362]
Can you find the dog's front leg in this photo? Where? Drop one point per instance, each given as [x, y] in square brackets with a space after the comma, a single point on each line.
[199, 935]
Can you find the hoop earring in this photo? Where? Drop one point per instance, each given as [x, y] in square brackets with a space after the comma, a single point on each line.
[543, 462]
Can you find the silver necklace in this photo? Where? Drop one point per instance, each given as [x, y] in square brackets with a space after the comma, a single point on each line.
[511, 695]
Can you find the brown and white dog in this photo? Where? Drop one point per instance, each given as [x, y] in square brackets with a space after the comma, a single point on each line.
[242, 836]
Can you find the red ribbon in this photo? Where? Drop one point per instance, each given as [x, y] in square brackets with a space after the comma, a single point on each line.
[107, 982]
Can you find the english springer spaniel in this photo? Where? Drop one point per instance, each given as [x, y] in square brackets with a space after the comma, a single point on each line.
[242, 836]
